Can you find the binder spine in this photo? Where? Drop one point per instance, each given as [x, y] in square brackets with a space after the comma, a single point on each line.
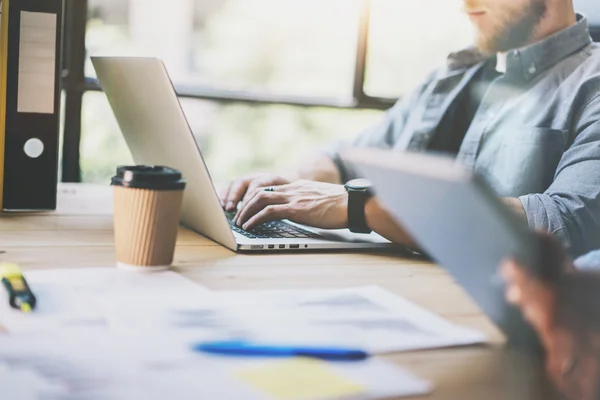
[3, 60]
[32, 106]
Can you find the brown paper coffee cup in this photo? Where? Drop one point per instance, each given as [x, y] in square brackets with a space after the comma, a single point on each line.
[147, 208]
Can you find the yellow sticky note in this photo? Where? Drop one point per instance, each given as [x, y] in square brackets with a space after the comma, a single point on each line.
[299, 379]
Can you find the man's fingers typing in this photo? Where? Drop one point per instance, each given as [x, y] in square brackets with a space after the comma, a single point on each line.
[255, 188]
[248, 198]
[224, 194]
[271, 212]
[258, 184]
[236, 192]
[252, 188]
[258, 203]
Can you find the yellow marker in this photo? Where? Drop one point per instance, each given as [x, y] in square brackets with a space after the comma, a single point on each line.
[20, 296]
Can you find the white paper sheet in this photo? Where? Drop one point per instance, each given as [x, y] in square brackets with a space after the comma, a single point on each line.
[108, 367]
[73, 298]
[367, 317]
[104, 366]
[167, 304]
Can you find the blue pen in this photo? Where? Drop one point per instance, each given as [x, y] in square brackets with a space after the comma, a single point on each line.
[242, 348]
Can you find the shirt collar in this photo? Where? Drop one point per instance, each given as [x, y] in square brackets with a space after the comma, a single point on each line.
[532, 60]
[501, 62]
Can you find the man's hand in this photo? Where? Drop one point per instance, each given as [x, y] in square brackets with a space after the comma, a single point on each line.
[321, 205]
[238, 190]
[564, 309]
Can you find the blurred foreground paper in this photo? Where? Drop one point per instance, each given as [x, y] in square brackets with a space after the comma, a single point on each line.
[298, 379]
[72, 298]
[369, 318]
[102, 367]
[165, 303]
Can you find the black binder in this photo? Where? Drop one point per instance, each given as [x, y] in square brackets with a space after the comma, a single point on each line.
[31, 73]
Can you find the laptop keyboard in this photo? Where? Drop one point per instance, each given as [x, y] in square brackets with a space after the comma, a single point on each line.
[273, 230]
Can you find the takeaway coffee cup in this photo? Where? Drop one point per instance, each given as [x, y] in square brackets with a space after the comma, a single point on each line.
[147, 207]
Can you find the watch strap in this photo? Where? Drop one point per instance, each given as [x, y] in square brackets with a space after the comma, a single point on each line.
[357, 221]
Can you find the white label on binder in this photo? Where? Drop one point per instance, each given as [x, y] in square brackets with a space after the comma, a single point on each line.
[37, 63]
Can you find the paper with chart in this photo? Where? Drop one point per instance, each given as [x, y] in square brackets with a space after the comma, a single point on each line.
[73, 298]
[367, 317]
[105, 366]
[165, 303]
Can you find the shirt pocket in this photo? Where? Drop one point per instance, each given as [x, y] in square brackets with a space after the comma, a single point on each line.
[526, 159]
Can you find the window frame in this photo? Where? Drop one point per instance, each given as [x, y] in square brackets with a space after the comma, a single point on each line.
[75, 84]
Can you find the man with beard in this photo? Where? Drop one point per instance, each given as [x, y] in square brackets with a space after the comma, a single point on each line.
[522, 108]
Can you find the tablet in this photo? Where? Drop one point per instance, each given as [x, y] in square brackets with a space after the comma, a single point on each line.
[457, 219]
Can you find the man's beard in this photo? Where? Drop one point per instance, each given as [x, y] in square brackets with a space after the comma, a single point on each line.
[515, 30]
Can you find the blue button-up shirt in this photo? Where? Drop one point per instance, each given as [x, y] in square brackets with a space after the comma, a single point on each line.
[589, 262]
[535, 136]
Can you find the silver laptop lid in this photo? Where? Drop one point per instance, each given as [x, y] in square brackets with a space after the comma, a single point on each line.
[153, 123]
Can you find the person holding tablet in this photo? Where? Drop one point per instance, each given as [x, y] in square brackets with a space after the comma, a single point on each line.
[563, 306]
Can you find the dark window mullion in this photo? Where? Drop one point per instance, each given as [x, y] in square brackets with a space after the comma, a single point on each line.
[362, 44]
[264, 98]
[73, 81]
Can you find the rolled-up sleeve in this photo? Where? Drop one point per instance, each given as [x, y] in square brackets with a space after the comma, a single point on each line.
[570, 208]
[589, 262]
[383, 134]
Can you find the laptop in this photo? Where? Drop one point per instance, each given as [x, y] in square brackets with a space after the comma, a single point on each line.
[460, 223]
[157, 132]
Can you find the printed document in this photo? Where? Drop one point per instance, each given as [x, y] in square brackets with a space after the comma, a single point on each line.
[165, 303]
[109, 367]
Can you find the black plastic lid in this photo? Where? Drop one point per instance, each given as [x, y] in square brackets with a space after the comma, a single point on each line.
[148, 177]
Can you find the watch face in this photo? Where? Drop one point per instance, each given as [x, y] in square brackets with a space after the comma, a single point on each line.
[359, 184]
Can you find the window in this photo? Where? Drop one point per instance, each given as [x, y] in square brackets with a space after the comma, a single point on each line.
[301, 73]
[289, 47]
[234, 138]
[410, 38]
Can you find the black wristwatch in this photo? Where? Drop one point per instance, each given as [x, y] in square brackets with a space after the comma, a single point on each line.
[359, 191]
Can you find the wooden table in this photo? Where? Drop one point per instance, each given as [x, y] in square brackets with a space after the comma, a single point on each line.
[79, 234]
